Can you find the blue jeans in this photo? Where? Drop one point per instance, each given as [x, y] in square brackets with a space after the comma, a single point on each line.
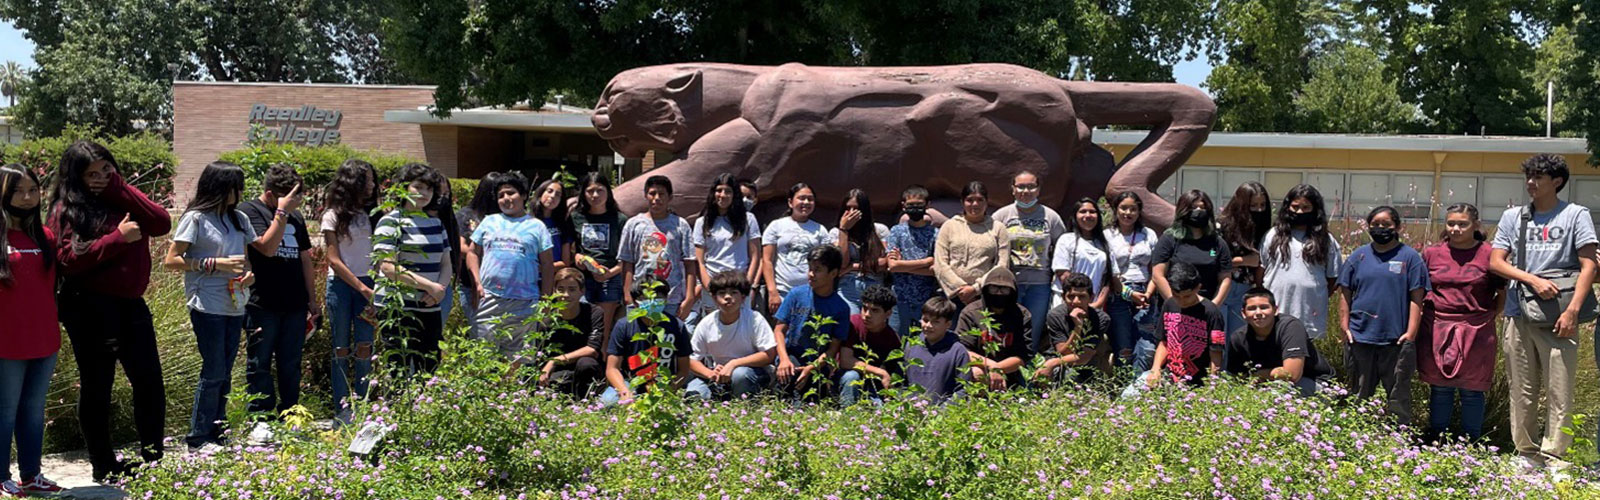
[907, 314]
[1233, 307]
[274, 340]
[217, 339]
[23, 386]
[456, 294]
[746, 381]
[851, 285]
[1442, 407]
[1037, 299]
[346, 331]
[1129, 324]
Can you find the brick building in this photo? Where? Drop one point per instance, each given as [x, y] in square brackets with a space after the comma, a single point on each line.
[210, 118]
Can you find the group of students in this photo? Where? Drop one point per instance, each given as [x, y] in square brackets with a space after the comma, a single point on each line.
[1240, 290]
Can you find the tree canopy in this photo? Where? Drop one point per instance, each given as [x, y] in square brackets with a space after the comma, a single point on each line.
[1338, 66]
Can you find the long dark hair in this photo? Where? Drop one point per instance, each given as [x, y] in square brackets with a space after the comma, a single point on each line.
[218, 181]
[1238, 226]
[483, 202]
[558, 216]
[32, 223]
[79, 209]
[595, 179]
[1315, 251]
[1462, 208]
[1098, 232]
[1184, 206]
[865, 231]
[349, 195]
[737, 221]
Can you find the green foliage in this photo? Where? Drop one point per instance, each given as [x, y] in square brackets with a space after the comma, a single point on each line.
[106, 62]
[468, 434]
[1580, 81]
[146, 158]
[316, 164]
[1349, 93]
[1266, 45]
[1465, 63]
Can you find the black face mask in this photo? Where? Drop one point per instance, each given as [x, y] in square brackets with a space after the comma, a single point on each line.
[916, 214]
[1303, 218]
[999, 300]
[1261, 220]
[20, 213]
[1199, 217]
[1382, 235]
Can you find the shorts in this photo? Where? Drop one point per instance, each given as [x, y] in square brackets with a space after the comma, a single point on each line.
[608, 291]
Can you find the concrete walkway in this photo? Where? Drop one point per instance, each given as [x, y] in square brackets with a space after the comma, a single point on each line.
[72, 471]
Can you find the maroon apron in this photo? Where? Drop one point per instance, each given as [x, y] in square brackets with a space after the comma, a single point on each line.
[1457, 349]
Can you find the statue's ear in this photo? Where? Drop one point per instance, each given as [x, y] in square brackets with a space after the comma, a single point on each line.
[684, 82]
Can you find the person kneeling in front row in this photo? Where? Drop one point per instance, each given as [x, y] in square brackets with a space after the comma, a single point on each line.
[734, 348]
[638, 365]
[1274, 346]
[1075, 334]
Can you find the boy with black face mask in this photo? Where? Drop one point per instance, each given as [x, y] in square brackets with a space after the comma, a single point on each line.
[1001, 347]
[910, 246]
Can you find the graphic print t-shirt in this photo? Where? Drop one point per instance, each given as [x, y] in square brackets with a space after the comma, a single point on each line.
[599, 235]
[280, 282]
[636, 352]
[1189, 333]
[657, 248]
[1554, 238]
[1031, 237]
[793, 241]
[511, 248]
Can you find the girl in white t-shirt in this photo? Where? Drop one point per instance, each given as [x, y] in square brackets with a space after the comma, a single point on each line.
[1130, 309]
[786, 242]
[721, 245]
[347, 241]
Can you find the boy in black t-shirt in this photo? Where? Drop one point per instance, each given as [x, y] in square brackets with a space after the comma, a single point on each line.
[1189, 336]
[281, 298]
[627, 359]
[1275, 346]
[1075, 333]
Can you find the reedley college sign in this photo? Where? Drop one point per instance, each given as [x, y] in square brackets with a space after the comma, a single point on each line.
[307, 125]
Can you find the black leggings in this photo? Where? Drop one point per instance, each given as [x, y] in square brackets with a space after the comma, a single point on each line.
[421, 332]
[106, 330]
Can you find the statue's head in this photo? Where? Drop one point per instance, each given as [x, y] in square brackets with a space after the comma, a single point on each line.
[644, 108]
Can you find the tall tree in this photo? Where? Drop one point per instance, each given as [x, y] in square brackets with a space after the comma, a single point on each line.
[1348, 92]
[1265, 43]
[1464, 62]
[110, 63]
[12, 77]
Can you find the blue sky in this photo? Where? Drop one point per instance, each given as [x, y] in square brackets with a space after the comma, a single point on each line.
[13, 47]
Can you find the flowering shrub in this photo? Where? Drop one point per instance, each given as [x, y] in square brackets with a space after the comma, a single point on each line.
[469, 432]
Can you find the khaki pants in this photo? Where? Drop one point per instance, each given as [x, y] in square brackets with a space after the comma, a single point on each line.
[1539, 361]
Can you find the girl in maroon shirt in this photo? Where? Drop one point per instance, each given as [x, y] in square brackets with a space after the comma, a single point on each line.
[30, 339]
[102, 229]
[1456, 341]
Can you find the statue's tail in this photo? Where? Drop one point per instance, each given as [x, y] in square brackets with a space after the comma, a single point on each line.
[1179, 117]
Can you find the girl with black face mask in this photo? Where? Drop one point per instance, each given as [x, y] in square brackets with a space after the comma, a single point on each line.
[1383, 285]
[1193, 239]
[1301, 260]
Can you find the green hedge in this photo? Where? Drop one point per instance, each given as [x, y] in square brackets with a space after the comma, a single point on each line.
[316, 165]
[146, 158]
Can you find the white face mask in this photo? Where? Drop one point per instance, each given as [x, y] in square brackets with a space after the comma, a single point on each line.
[749, 204]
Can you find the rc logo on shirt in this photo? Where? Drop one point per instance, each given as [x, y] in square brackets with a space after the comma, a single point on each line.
[1397, 267]
[1547, 238]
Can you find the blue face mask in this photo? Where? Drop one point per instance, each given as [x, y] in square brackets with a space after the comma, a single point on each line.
[653, 306]
[1027, 205]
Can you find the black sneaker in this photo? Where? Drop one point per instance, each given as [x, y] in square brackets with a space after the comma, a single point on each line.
[116, 471]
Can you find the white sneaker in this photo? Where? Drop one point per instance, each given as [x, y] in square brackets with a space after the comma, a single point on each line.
[40, 486]
[261, 434]
[1558, 469]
